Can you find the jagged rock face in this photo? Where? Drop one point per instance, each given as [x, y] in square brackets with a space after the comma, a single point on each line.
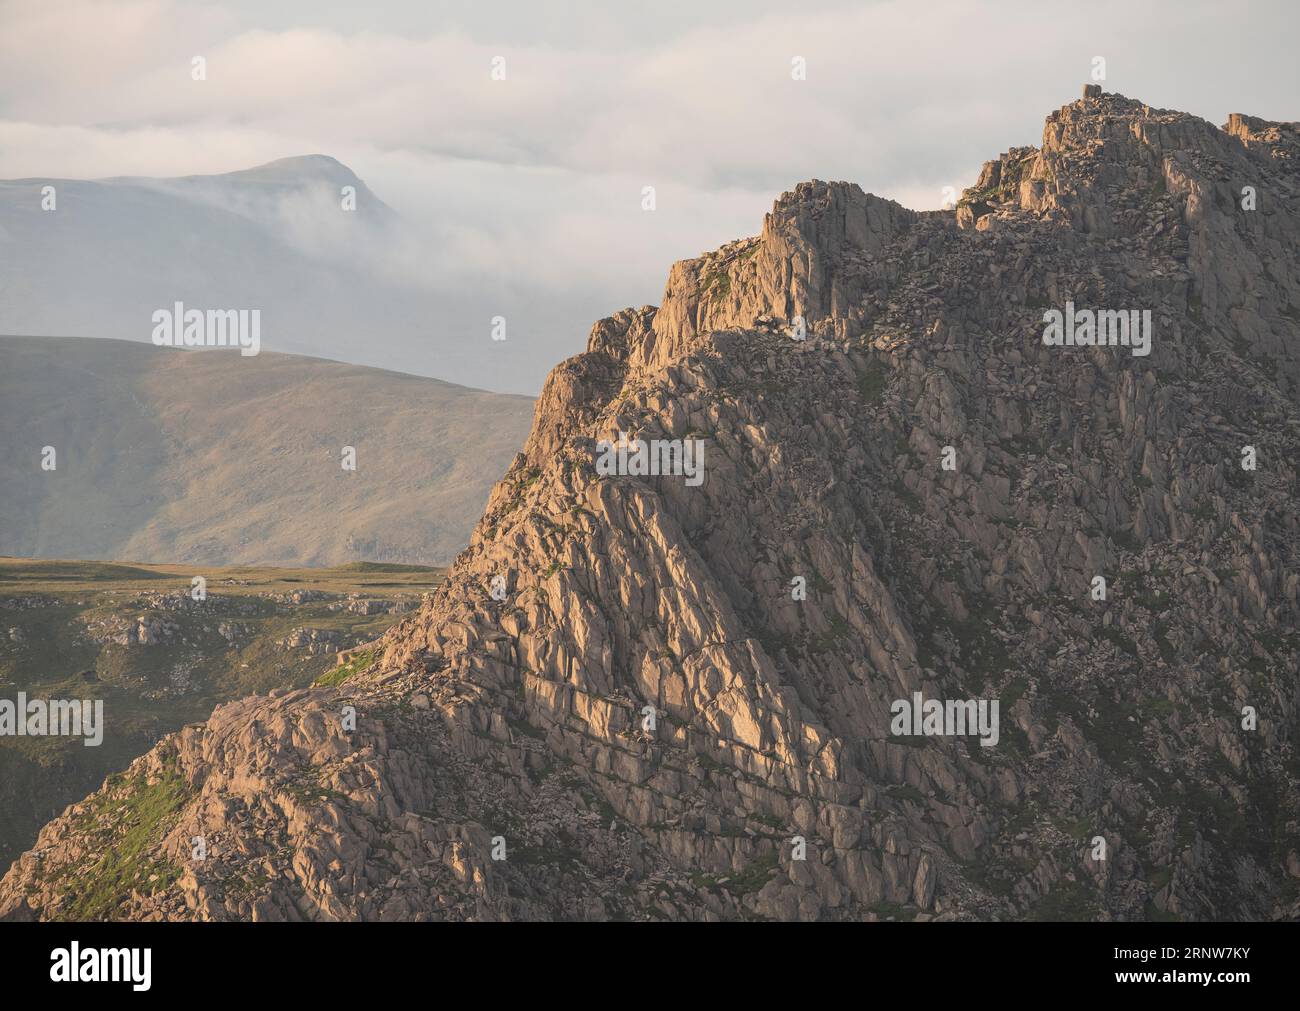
[509, 711]
[812, 260]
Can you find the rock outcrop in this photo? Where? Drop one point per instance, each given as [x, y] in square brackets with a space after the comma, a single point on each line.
[638, 697]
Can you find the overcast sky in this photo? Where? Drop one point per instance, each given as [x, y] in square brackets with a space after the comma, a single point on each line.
[536, 180]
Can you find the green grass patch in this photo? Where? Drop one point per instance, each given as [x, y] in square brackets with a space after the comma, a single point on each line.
[383, 567]
[1069, 901]
[359, 662]
[716, 285]
[126, 826]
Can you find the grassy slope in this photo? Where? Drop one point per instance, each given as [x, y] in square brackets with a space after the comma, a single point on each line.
[149, 691]
[206, 456]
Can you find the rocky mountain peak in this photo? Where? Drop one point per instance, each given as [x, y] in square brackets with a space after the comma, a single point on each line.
[648, 687]
[806, 263]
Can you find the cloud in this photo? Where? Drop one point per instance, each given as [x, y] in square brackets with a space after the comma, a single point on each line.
[533, 183]
[890, 89]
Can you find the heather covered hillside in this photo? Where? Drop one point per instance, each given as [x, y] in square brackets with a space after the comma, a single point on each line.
[209, 457]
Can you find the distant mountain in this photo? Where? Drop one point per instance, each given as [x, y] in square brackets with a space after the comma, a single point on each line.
[208, 457]
[328, 281]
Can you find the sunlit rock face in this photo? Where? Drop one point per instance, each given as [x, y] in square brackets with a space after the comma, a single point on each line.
[637, 697]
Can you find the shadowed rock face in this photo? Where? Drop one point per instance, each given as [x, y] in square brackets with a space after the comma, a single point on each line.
[519, 722]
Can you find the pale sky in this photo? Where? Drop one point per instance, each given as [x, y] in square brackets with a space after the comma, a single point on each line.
[538, 178]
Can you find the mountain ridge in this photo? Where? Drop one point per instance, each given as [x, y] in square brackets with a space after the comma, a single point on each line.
[293, 169]
[615, 705]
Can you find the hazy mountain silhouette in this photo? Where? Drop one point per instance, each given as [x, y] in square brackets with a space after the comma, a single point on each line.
[330, 282]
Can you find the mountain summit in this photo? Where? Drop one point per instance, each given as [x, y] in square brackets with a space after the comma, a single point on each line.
[302, 240]
[259, 193]
[638, 697]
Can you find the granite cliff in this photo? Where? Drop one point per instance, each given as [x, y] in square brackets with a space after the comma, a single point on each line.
[635, 698]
